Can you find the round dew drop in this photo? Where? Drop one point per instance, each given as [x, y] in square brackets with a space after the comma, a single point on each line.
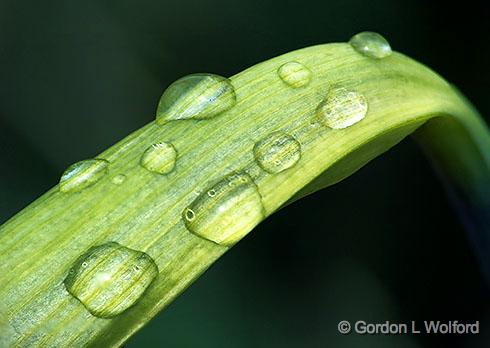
[294, 74]
[277, 152]
[110, 278]
[196, 96]
[159, 158]
[232, 209]
[83, 174]
[371, 44]
[189, 214]
[341, 108]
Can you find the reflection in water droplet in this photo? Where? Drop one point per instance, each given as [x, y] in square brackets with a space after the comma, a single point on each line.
[119, 179]
[294, 74]
[113, 279]
[233, 210]
[342, 108]
[371, 44]
[159, 158]
[83, 174]
[196, 96]
[277, 152]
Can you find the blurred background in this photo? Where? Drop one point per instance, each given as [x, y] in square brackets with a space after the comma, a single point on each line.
[75, 77]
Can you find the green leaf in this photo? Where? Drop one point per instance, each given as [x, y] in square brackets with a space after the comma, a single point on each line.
[274, 144]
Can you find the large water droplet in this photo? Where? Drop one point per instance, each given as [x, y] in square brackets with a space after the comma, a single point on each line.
[294, 74]
[226, 211]
[196, 96]
[110, 278]
[277, 152]
[159, 158]
[371, 44]
[83, 174]
[342, 108]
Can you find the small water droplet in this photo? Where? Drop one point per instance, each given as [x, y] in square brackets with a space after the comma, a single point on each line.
[371, 44]
[277, 152]
[342, 108]
[189, 214]
[113, 279]
[196, 96]
[83, 174]
[119, 179]
[159, 158]
[227, 216]
[294, 74]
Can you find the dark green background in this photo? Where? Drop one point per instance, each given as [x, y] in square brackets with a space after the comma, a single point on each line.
[75, 77]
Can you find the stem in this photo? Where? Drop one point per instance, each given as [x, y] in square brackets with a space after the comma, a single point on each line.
[39, 245]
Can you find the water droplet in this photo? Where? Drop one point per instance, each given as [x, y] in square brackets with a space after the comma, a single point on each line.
[189, 214]
[371, 44]
[113, 279]
[232, 212]
[83, 174]
[342, 108]
[119, 179]
[277, 152]
[294, 74]
[159, 158]
[196, 96]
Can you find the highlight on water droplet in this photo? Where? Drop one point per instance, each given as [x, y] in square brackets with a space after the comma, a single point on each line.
[226, 215]
[83, 174]
[159, 158]
[119, 179]
[371, 44]
[294, 74]
[196, 96]
[277, 152]
[110, 278]
[341, 108]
